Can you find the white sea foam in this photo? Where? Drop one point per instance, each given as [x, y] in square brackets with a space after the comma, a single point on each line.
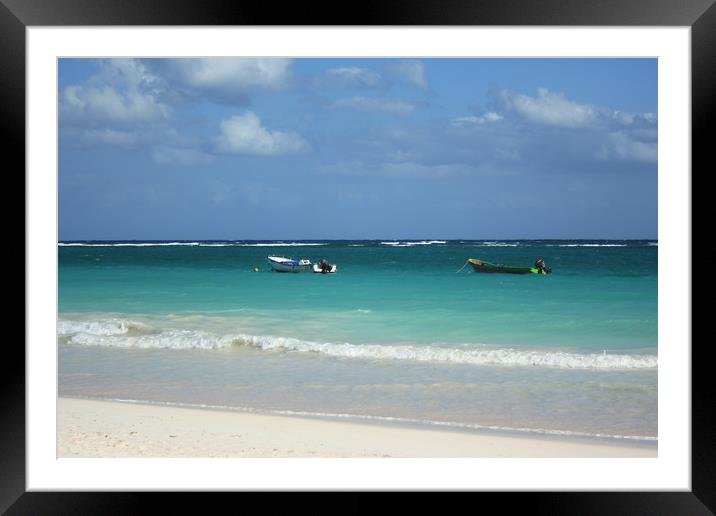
[177, 339]
[283, 244]
[410, 244]
[479, 356]
[131, 244]
[188, 244]
[125, 333]
[586, 245]
[132, 334]
[102, 328]
[498, 244]
[171, 339]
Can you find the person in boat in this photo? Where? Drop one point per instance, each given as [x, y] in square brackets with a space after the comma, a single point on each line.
[541, 267]
[324, 265]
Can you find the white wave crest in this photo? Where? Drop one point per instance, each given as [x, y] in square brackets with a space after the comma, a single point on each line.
[283, 244]
[131, 334]
[131, 244]
[410, 244]
[587, 245]
[187, 244]
[104, 327]
[126, 333]
[174, 339]
[496, 357]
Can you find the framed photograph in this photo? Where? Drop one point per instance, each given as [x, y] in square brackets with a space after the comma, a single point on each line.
[424, 251]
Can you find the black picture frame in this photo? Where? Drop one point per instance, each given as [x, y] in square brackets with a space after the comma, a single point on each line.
[699, 15]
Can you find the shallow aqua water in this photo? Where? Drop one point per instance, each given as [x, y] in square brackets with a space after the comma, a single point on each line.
[597, 297]
[398, 331]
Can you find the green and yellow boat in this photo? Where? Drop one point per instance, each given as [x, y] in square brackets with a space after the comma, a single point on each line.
[483, 266]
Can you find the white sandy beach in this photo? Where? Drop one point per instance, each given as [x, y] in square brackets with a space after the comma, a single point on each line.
[88, 428]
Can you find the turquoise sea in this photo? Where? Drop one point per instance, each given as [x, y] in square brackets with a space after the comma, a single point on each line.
[402, 332]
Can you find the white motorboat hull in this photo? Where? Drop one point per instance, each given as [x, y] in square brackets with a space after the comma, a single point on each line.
[280, 264]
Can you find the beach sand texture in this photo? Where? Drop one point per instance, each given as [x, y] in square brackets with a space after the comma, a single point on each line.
[89, 428]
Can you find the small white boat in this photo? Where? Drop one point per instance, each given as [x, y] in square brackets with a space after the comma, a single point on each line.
[281, 264]
[328, 270]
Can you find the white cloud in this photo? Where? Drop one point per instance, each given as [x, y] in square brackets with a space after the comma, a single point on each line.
[614, 135]
[396, 107]
[131, 72]
[634, 119]
[551, 108]
[108, 104]
[131, 95]
[244, 134]
[352, 76]
[554, 109]
[621, 146]
[488, 117]
[412, 71]
[229, 75]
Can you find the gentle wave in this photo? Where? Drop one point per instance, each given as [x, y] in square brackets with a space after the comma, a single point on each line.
[131, 244]
[101, 328]
[283, 244]
[387, 419]
[189, 244]
[410, 244]
[497, 357]
[130, 334]
[586, 245]
[497, 244]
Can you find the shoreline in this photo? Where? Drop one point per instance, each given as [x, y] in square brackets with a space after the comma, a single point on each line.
[99, 428]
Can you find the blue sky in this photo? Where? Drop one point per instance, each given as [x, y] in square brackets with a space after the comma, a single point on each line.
[357, 148]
